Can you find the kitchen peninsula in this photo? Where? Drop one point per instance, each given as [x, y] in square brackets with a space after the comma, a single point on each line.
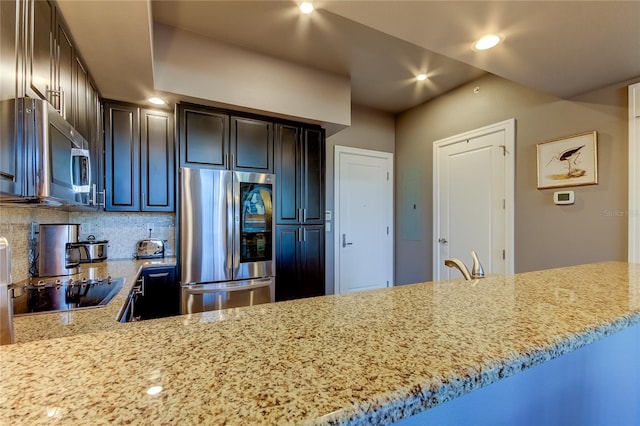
[364, 358]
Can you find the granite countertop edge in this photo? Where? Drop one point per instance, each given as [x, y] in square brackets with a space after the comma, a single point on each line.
[402, 403]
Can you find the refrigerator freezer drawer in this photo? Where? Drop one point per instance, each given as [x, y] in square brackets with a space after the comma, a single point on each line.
[233, 294]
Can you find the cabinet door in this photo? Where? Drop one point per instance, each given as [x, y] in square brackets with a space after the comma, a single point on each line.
[122, 157]
[161, 293]
[313, 177]
[95, 143]
[288, 158]
[251, 145]
[65, 60]
[204, 138]
[287, 254]
[40, 57]
[157, 163]
[80, 98]
[11, 168]
[311, 264]
[8, 51]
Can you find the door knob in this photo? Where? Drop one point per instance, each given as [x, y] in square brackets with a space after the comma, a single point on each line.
[443, 241]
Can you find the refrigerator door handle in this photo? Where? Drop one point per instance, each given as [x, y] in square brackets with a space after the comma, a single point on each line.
[203, 289]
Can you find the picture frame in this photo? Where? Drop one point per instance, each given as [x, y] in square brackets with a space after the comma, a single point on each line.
[568, 161]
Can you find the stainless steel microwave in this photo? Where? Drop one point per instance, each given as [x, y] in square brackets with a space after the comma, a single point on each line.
[52, 160]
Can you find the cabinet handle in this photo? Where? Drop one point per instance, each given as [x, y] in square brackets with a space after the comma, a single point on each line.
[304, 215]
[344, 241]
[143, 204]
[93, 195]
[300, 215]
[60, 95]
[158, 275]
[300, 235]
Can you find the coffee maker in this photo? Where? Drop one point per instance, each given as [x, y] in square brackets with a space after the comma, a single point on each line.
[58, 252]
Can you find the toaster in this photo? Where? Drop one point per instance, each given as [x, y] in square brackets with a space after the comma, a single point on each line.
[150, 248]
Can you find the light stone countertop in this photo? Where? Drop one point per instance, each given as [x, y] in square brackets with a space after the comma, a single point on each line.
[362, 358]
[60, 324]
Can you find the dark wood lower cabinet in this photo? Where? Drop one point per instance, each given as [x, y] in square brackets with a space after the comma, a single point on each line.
[299, 261]
[161, 294]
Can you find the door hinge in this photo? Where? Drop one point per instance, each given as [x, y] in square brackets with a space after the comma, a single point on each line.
[387, 175]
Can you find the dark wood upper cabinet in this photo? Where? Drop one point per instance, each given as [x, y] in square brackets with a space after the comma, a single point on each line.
[122, 157]
[288, 171]
[41, 54]
[139, 159]
[64, 100]
[204, 137]
[300, 175]
[251, 145]
[211, 138]
[313, 162]
[80, 101]
[157, 165]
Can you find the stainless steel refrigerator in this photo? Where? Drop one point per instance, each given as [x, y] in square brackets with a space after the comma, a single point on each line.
[227, 239]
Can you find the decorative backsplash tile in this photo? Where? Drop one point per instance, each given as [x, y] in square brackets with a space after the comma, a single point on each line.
[122, 230]
[15, 225]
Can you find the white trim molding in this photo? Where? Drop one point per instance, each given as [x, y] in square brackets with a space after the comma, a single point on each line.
[634, 173]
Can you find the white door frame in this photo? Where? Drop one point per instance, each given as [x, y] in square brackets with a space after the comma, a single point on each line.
[633, 213]
[509, 128]
[338, 149]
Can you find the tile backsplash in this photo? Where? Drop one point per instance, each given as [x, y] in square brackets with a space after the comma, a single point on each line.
[122, 230]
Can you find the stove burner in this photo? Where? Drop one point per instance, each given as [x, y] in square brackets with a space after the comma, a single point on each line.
[57, 295]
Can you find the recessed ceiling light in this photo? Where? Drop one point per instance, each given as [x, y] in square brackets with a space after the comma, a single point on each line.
[157, 101]
[487, 42]
[306, 7]
[421, 77]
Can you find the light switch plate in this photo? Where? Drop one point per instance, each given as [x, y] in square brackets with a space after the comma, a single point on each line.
[327, 215]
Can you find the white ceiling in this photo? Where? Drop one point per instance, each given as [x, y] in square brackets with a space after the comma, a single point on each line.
[560, 47]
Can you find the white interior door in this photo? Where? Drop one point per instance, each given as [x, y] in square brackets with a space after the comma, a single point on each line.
[363, 219]
[473, 199]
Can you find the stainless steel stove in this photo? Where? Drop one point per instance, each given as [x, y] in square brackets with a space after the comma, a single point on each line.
[63, 295]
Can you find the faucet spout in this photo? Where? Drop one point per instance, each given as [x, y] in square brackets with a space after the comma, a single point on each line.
[456, 263]
[476, 270]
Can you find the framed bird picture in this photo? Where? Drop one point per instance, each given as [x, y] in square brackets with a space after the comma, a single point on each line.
[568, 161]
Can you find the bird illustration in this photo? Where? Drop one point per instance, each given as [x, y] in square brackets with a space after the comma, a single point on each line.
[570, 155]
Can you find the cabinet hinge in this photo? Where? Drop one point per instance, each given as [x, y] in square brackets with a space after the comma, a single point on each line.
[504, 204]
[387, 230]
[387, 175]
[504, 254]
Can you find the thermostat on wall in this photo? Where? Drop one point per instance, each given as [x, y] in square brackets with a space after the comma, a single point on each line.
[564, 197]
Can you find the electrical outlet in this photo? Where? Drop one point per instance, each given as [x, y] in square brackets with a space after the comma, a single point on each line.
[149, 227]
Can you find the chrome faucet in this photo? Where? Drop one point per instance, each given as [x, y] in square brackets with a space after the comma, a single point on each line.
[476, 270]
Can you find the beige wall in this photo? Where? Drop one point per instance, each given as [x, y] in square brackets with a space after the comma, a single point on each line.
[370, 129]
[188, 64]
[546, 236]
